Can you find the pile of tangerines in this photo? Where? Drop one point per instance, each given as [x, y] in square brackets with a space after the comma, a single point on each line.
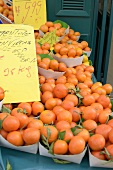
[73, 111]
[7, 11]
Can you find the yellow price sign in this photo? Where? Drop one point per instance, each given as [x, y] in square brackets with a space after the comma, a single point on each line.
[18, 64]
[50, 38]
[30, 12]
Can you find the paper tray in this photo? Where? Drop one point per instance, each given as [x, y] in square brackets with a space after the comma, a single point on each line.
[49, 74]
[72, 158]
[95, 162]
[70, 62]
[30, 148]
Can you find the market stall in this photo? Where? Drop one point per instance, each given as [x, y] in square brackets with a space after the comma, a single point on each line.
[53, 113]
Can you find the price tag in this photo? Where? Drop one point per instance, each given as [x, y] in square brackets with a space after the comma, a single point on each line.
[30, 12]
[18, 64]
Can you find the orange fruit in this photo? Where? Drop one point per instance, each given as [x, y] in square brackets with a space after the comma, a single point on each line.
[45, 96]
[26, 106]
[62, 67]
[50, 80]
[110, 151]
[53, 133]
[44, 28]
[88, 100]
[42, 79]
[64, 115]
[73, 98]
[47, 117]
[49, 24]
[96, 142]
[103, 116]
[46, 46]
[103, 130]
[75, 114]
[73, 80]
[72, 52]
[90, 125]
[60, 91]
[62, 125]
[110, 123]
[15, 138]
[98, 155]
[60, 147]
[104, 100]
[3, 133]
[89, 113]
[11, 123]
[50, 103]
[23, 119]
[57, 109]
[31, 136]
[58, 101]
[84, 134]
[76, 145]
[37, 108]
[35, 123]
[95, 95]
[54, 65]
[67, 104]
[108, 88]
[100, 91]
[61, 80]
[111, 135]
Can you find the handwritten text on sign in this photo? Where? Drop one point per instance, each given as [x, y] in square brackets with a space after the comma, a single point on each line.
[30, 12]
[18, 65]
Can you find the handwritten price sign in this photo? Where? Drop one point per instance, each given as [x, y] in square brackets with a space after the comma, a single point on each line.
[18, 64]
[30, 12]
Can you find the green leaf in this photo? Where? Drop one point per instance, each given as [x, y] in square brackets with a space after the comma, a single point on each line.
[48, 133]
[61, 135]
[44, 140]
[77, 131]
[90, 62]
[5, 109]
[61, 161]
[51, 148]
[64, 24]
[78, 95]
[46, 56]
[91, 134]
[8, 166]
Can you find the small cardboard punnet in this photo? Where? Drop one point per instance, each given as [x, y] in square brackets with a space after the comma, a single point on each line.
[70, 62]
[1, 103]
[72, 158]
[49, 74]
[95, 162]
[30, 148]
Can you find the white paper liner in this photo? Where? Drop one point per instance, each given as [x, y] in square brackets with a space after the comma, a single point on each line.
[70, 62]
[30, 148]
[78, 37]
[95, 162]
[1, 103]
[5, 20]
[49, 74]
[60, 38]
[88, 53]
[72, 158]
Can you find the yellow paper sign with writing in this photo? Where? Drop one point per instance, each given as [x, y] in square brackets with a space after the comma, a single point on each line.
[18, 64]
[30, 12]
[50, 38]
